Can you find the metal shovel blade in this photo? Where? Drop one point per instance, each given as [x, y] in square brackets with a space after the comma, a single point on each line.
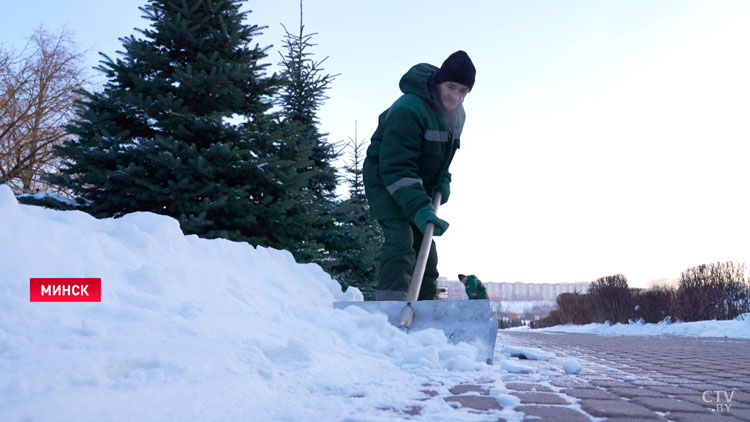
[461, 320]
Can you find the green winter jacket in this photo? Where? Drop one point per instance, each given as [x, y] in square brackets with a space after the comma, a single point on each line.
[475, 289]
[411, 149]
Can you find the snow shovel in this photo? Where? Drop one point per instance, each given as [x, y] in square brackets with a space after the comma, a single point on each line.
[469, 321]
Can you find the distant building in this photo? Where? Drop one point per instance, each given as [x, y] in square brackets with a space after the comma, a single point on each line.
[512, 292]
[451, 289]
[517, 292]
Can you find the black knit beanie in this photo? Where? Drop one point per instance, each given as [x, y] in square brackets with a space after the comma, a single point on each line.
[457, 68]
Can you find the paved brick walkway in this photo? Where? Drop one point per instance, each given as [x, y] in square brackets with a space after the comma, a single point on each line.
[666, 378]
[634, 378]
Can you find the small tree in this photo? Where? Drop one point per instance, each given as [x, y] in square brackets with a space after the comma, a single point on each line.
[302, 93]
[38, 90]
[358, 236]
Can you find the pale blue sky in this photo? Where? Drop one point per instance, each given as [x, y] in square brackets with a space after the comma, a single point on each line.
[602, 137]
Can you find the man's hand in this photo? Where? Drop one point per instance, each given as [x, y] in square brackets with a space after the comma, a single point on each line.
[445, 189]
[426, 215]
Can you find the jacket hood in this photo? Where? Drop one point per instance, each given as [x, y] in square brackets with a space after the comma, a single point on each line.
[420, 81]
[416, 81]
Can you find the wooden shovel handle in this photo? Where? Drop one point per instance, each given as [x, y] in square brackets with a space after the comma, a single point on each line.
[424, 251]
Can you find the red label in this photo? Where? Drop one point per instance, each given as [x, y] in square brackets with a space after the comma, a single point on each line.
[66, 290]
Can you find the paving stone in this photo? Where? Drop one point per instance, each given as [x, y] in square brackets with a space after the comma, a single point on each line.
[475, 402]
[539, 398]
[410, 410]
[667, 380]
[551, 414]
[716, 368]
[608, 378]
[700, 377]
[528, 387]
[740, 414]
[726, 375]
[679, 372]
[589, 393]
[649, 382]
[695, 397]
[701, 417]
[612, 383]
[701, 388]
[737, 385]
[413, 410]
[672, 390]
[605, 408]
[621, 419]
[631, 392]
[668, 404]
[567, 383]
[469, 388]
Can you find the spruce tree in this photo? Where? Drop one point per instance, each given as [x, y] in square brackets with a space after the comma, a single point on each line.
[359, 236]
[183, 127]
[301, 96]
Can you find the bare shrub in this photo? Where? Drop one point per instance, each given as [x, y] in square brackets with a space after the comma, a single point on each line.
[713, 291]
[611, 299]
[574, 308]
[549, 321]
[654, 304]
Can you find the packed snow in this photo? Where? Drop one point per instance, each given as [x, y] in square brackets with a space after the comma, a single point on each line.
[196, 329]
[571, 366]
[517, 368]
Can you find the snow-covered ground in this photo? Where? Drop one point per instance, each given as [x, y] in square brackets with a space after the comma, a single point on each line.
[736, 328]
[195, 329]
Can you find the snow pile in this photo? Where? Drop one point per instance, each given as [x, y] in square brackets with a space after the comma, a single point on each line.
[736, 328]
[190, 329]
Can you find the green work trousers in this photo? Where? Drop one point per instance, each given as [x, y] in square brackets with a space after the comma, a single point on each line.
[396, 262]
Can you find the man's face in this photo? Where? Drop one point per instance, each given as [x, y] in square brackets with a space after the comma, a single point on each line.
[452, 94]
